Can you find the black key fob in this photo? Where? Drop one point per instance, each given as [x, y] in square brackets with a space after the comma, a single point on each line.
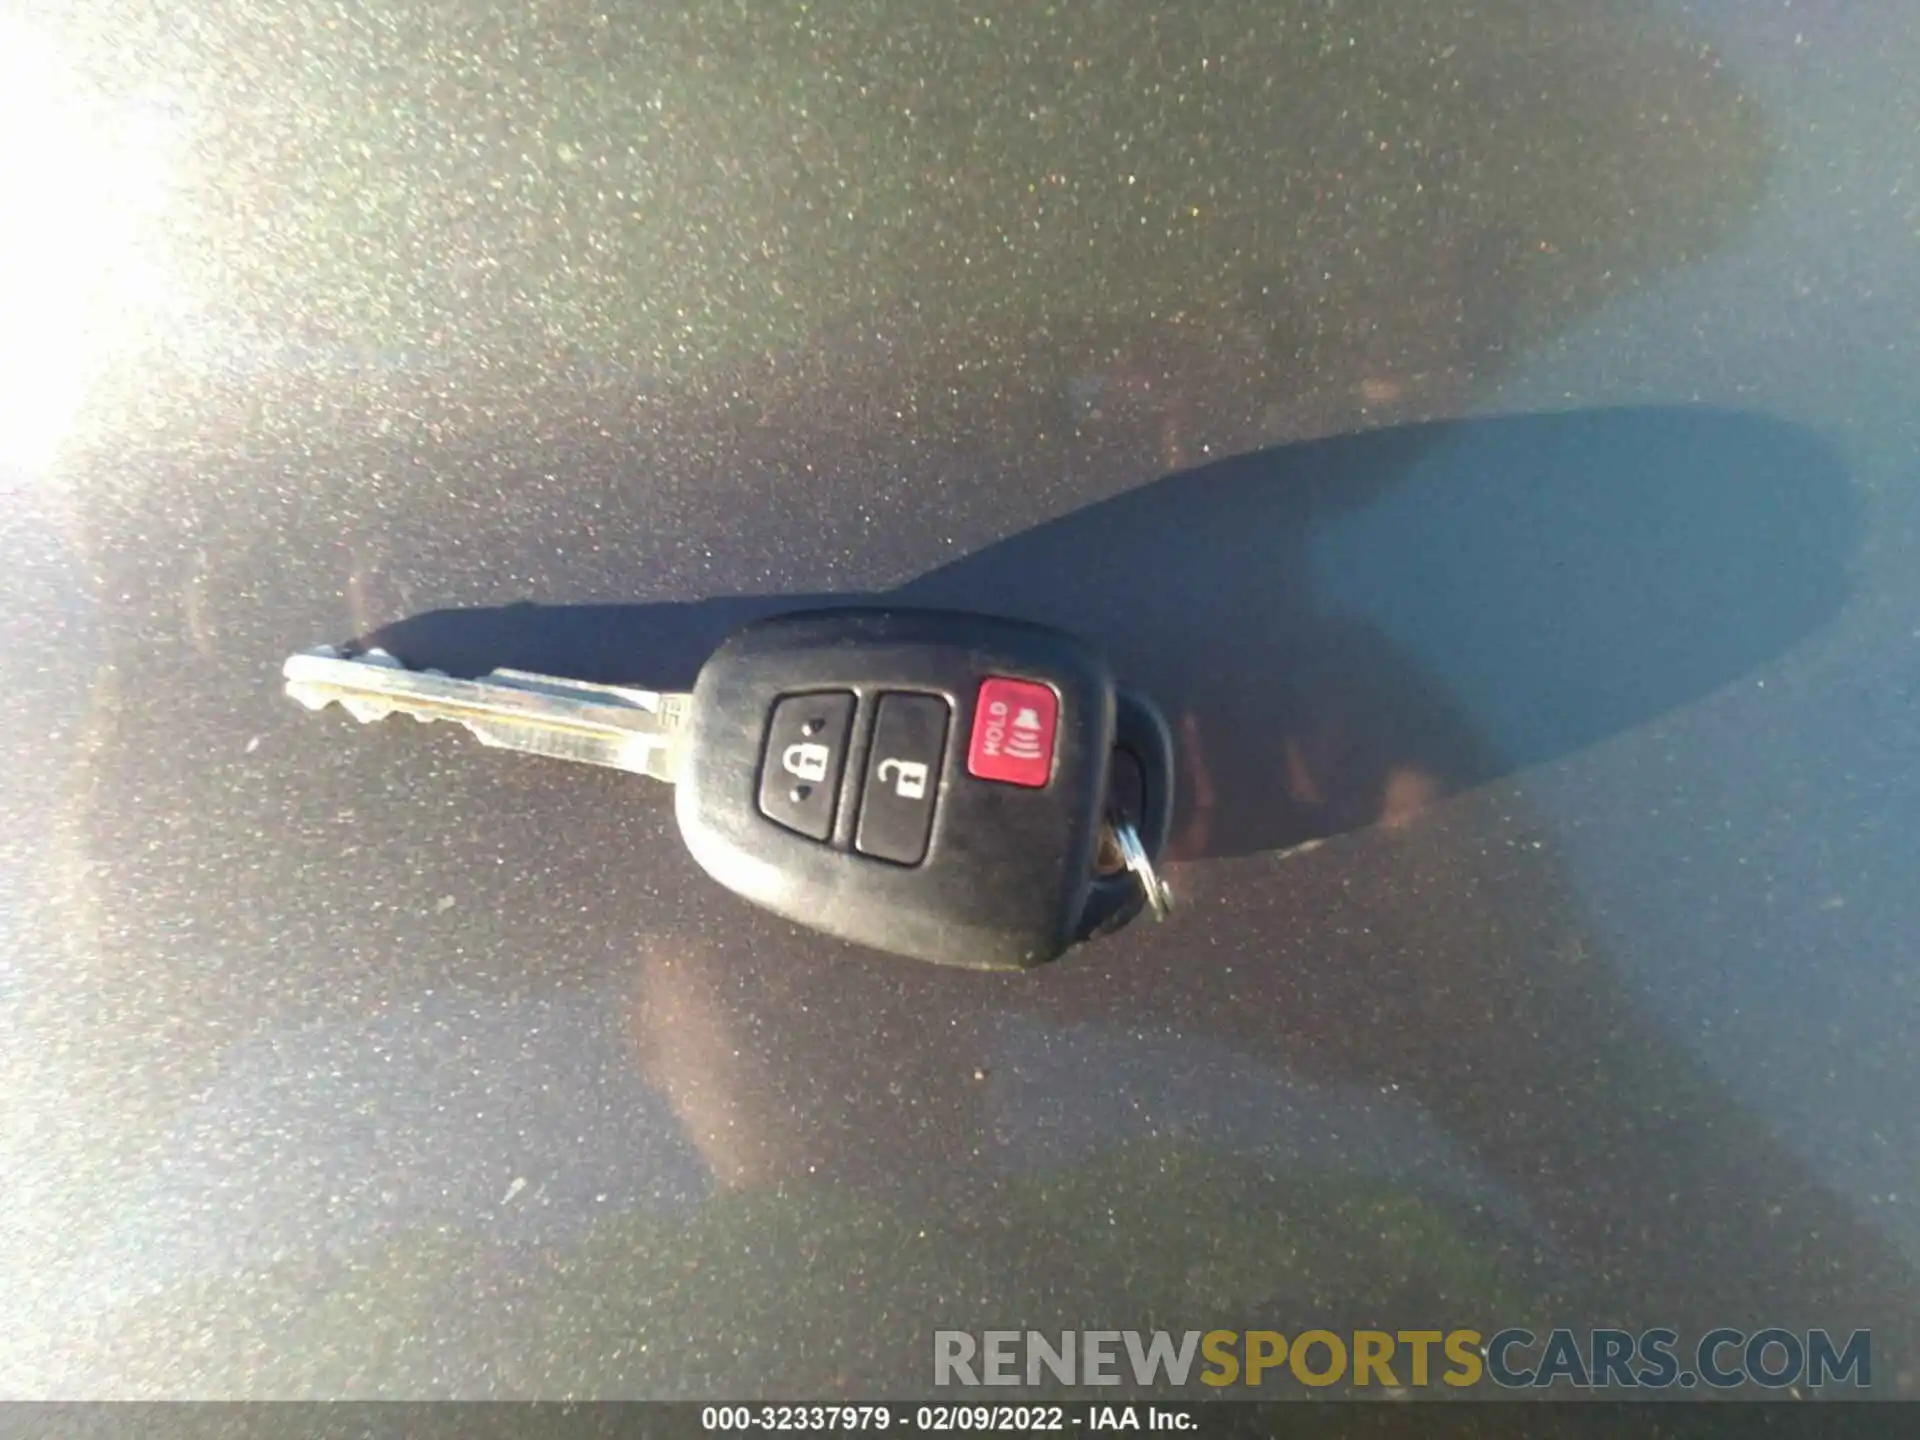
[925, 782]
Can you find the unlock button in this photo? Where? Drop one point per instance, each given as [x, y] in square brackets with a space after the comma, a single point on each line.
[800, 771]
[903, 778]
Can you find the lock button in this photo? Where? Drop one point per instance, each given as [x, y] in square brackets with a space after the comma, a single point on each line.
[903, 778]
[806, 749]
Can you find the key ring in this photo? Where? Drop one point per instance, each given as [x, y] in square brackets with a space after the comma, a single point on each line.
[1134, 855]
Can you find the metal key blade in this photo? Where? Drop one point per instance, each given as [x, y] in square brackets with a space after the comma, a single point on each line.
[607, 725]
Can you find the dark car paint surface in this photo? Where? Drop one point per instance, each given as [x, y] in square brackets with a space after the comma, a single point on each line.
[1488, 430]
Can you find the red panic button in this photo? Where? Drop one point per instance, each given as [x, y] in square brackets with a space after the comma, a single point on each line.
[1013, 729]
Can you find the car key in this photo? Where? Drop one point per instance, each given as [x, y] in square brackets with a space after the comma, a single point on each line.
[931, 783]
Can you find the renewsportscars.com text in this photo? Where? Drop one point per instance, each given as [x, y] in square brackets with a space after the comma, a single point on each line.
[1512, 1358]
